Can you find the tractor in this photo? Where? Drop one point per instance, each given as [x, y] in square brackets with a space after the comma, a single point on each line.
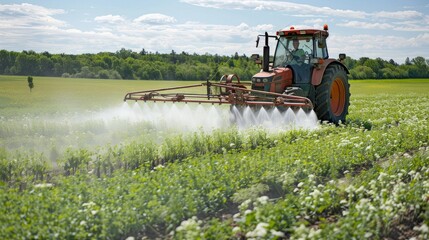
[300, 75]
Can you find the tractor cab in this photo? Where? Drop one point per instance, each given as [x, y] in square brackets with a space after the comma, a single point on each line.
[299, 49]
[299, 55]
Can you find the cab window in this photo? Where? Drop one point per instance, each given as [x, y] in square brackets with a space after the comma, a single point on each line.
[321, 49]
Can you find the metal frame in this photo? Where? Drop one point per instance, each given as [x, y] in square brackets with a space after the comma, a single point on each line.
[230, 93]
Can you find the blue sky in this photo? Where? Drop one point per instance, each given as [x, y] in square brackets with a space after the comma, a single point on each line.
[378, 28]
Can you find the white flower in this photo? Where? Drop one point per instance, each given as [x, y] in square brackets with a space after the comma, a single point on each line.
[236, 229]
[360, 189]
[192, 225]
[300, 184]
[260, 230]
[368, 235]
[263, 200]
[160, 166]
[44, 185]
[423, 228]
[82, 223]
[344, 143]
[248, 211]
[314, 233]
[245, 205]
[130, 238]
[277, 233]
[382, 176]
[315, 193]
[350, 189]
[88, 204]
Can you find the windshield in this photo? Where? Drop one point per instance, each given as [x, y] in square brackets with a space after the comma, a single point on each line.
[293, 50]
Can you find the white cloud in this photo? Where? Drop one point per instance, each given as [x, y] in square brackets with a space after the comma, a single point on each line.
[414, 25]
[27, 9]
[405, 20]
[109, 19]
[315, 21]
[281, 6]
[374, 46]
[398, 15]
[366, 25]
[155, 18]
[28, 15]
[302, 10]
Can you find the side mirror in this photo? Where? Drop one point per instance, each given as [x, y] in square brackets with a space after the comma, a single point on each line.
[341, 57]
[321, 43]
[256, 58]
[257, 41]
[321, 40]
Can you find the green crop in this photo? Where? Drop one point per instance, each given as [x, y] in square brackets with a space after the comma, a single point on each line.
[367, 178]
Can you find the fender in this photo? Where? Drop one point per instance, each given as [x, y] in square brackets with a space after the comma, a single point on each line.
[318, 72]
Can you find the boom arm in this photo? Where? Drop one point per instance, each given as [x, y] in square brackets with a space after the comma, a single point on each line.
[230, 93]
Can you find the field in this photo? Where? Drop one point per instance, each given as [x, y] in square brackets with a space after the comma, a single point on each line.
[77, 163]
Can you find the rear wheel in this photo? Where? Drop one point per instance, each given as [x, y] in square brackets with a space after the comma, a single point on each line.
[333, 95]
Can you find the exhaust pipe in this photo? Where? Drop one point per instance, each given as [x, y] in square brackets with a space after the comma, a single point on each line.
[266, 56]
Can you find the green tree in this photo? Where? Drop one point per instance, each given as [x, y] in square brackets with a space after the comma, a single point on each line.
[30, 82]
[362, 72]
[46, 66]
[407, 61]
[27, 64]
[375, 66]
[5, 61]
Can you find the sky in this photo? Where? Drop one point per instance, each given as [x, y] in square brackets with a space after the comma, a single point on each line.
[379, 28]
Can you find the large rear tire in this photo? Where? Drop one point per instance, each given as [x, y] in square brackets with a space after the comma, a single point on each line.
[333, 95]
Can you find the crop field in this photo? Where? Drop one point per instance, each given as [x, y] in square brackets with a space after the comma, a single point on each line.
[76, 162]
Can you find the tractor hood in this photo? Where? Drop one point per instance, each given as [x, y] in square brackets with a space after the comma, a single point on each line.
[273, 81]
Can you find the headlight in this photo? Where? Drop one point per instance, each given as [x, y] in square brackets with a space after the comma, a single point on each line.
[265, 80]
[253, 79]
[258, 80]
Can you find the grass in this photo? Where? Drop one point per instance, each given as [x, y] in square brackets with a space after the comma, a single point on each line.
[53, 93]
[395, 87]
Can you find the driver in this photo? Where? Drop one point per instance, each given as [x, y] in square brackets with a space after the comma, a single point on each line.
[297, 53]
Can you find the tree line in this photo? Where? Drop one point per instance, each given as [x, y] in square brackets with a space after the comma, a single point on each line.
[127, 64]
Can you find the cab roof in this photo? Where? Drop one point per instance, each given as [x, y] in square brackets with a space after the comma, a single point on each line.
[300, 32]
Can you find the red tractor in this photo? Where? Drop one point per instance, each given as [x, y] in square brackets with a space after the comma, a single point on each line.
[301, 75]
[302, 67]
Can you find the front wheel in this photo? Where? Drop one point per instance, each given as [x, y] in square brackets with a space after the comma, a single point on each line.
[333, 95]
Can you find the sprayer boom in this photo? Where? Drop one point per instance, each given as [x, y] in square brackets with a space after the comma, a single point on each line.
[221, 93]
